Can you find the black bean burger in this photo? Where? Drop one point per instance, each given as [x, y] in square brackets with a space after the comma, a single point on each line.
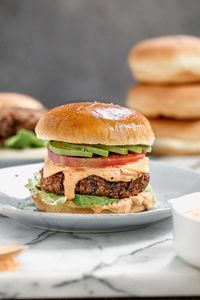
[96, 161]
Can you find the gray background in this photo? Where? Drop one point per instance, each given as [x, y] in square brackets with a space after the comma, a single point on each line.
[64, 50]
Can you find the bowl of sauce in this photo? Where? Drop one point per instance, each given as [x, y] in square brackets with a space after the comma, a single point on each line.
[186, 227]
[193, 214]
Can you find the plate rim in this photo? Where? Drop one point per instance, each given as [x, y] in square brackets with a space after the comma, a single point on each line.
[4, 208]
[18, 157]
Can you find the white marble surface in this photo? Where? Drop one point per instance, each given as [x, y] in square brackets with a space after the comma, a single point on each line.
[134, 263]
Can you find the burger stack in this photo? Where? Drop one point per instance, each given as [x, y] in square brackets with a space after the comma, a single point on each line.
[168, 92]
[93, 162]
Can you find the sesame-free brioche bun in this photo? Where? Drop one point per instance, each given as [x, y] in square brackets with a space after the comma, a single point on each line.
[172, 101]
[175, 147]
[167, 59]
[19, 100]
[71, 207]
[176, 137]
[186, 130]
[95, 123]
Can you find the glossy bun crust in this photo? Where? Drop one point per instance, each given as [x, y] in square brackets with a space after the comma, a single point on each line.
[172, 101]
[19, 100]
[167, 59]
[95, 123]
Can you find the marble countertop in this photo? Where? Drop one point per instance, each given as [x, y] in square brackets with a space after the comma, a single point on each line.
[134, 263]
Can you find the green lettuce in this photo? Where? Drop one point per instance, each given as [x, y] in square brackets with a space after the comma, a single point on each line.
[90, 200]
[24, 139]
[150, 190]
[47, 197]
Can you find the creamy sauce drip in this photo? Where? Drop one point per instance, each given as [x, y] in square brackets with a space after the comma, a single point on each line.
[72, 176]
[143, 201]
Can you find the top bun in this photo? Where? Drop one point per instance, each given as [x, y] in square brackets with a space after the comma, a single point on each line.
[167, 59]
[19, 100]
[95, 123]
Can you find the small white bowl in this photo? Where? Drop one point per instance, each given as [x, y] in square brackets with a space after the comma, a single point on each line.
[186, 230]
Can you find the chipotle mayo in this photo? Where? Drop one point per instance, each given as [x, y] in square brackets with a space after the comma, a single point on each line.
[72, 175]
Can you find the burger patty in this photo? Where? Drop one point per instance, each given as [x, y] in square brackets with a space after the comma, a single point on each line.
[14, 118]
[95, 185]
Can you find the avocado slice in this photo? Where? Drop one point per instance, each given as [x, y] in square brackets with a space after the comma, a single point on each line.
[60, 149]
[134, 148]
[114, 149]
[88, 148]
[146, 148]
[64, 148]
[89, 200]
[97, 151]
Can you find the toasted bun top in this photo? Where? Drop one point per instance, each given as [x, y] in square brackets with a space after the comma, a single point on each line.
[95, 123]
[166, 47]
[19, 100]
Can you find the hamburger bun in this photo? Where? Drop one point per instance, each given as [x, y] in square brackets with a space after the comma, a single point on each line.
[71, 207]
[19, 100]
[167, 59]
[95, 123]
[176, 137]
[172, 101]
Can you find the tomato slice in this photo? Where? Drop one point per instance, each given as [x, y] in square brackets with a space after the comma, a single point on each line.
[99, 162]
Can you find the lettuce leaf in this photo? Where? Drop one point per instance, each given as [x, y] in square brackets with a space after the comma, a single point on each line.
[24, 139]
[47, 197]
[90, 200]
[150, 190]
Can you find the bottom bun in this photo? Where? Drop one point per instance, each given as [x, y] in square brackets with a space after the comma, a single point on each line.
[171, 146]
[144, 201]
[182, 130]
[176, 137]
[68, 207]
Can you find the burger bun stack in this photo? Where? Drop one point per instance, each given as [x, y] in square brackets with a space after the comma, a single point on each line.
[168, 92]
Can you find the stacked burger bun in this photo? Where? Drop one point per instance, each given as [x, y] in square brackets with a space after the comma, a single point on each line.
[168, 69]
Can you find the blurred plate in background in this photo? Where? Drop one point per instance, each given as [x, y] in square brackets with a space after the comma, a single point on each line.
[11, 157]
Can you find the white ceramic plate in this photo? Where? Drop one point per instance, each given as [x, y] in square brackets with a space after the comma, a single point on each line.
[10, 157]
[15, 202]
